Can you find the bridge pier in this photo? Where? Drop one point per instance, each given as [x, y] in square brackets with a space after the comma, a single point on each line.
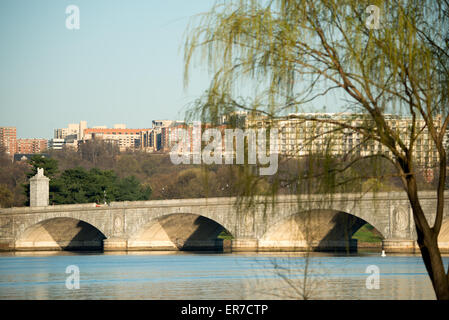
[252, 245]
[444, 246]
[121, 244]
[408, 246]
[400, 246]
[7, 245]
[115, 244]
[244, 245]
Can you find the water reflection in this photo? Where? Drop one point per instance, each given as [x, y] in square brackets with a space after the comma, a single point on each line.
[186, 275]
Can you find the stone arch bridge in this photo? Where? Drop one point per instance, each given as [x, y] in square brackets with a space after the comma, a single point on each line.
[287, 224]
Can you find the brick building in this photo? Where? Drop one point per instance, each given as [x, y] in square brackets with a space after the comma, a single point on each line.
[31, 146]
[8, 137]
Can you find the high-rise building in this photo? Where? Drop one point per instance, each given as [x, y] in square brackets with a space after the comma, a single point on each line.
[146, 140]
[73, 131]
[8, 137]
[81, 128]
[71, 135]
[158, 133]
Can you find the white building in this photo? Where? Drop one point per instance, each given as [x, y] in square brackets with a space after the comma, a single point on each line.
[56, 144]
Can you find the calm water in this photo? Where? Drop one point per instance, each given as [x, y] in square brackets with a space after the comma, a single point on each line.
[164, 275]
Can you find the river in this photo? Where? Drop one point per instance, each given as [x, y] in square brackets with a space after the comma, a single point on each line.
[188, 275]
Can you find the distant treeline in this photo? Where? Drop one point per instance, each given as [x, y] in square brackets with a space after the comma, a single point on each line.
[99, 172]
[79, 185]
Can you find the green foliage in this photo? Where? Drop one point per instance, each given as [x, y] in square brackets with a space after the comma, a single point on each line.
[275, 57]
[49, 165]
[78, 185]
[81, 186]
[129, 189]
[225, 235]
[367, 233]
[155, 172]
[286, 55]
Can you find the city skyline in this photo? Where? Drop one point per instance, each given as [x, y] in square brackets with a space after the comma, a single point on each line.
[124, 64]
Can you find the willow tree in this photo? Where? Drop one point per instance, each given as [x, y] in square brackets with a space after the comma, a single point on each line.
[379, 57]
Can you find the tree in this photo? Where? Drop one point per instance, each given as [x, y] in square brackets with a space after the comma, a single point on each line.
[130, 189]
[50, 167]
[292, 53]
[80, 186]
[100, 154]
[12, 176]
[6, 197]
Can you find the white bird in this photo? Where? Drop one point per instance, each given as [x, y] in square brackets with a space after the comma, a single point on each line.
[383, 253]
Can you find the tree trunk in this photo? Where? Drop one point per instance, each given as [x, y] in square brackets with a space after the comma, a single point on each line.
[434, 265]
[428, 244]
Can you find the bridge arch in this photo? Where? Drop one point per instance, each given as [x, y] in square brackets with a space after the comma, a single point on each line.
[318, 229]
[179, 231]
[60, 233]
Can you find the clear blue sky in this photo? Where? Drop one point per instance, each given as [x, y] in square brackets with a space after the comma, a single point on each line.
[124, 65]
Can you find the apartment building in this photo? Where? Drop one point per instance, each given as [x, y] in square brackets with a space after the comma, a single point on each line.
[8, 140]
[31, 146]
[306, 133]
[160, 134]
[147, 140]
[8, 137]
[124, 138]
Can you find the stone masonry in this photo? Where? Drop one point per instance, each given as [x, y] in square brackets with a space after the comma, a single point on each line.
[193, 223]
[39, 189]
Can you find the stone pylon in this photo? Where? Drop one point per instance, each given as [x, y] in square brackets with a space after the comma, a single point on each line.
[39, 189]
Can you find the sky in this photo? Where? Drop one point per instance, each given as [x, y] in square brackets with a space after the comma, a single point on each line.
[124, 64]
